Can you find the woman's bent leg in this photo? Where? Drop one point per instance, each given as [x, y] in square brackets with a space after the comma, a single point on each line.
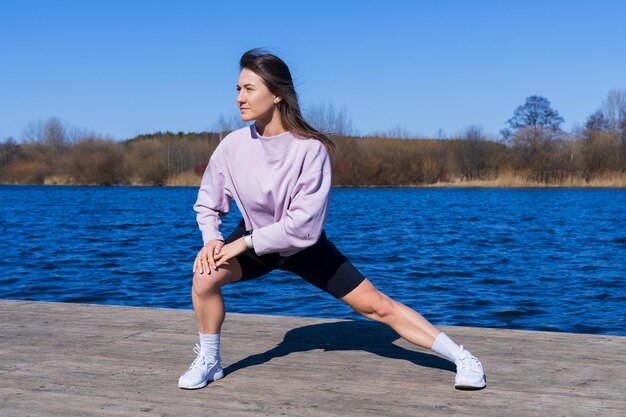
[408, 323]
[208, 305]
[206, 294]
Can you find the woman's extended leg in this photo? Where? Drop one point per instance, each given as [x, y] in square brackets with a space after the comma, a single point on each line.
[408, 323]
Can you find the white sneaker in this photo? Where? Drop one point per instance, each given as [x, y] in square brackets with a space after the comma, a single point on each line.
[203, 370]
[469, 371]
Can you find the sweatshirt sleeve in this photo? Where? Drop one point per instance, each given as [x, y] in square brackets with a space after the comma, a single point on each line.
[213, 200]
[303, 223]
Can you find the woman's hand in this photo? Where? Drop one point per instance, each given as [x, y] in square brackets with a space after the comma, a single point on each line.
[206, 257]
[230, 251]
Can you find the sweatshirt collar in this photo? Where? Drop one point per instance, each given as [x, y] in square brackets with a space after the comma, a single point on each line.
[256, 135]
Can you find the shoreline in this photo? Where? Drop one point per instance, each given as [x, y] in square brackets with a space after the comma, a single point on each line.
[554, 330]
[504, 180]
[610, 333]
[460, 184]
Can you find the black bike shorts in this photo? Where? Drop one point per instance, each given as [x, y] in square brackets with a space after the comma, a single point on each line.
[322, 265]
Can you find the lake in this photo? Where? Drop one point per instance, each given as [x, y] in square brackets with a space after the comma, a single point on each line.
[535, 259]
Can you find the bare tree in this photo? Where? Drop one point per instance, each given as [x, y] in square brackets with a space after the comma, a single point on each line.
[33, 132]
[536, 115]
[614, 109]
[597, 121]
[52, 133]
[472, 156]
[227, 124]
[9, 149]
[440, 134]
[396, 132]
[46, 142]
[532, 129]
[325, 118]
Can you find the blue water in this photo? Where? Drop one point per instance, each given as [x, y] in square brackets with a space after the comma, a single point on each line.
[537, 259]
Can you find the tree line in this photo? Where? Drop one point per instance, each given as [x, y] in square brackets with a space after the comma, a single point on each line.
[533, 149]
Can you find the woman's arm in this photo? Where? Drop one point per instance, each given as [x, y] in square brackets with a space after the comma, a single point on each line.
[213, 200]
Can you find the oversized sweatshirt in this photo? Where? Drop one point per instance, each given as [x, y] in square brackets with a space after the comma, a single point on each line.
[281, 185]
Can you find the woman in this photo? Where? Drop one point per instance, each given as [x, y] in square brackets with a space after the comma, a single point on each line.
[278, 171]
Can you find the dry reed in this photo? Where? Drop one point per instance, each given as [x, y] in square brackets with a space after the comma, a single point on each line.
[184, 179]
[509, 179]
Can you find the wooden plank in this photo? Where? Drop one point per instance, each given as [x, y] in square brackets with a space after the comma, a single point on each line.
[91, 360]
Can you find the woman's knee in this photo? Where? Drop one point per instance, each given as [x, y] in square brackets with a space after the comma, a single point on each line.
[208, 283]
[375, 305]
[380, 306]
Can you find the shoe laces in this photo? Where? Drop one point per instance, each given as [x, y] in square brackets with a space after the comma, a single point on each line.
[201, 360]
[468, 362]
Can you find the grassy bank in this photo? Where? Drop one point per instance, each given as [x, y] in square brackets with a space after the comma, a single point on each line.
[513, 180]
[505, 180]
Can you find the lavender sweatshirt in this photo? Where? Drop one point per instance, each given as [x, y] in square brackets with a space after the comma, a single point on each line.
[281, 185]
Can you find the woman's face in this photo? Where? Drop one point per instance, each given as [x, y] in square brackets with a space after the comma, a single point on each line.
[255, 100]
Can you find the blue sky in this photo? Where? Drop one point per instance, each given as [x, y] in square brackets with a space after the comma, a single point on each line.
[122, 68]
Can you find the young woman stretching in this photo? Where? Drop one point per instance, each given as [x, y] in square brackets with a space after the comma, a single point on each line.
[278, 171]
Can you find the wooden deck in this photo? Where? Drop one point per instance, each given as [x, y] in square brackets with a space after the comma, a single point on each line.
[86, 360]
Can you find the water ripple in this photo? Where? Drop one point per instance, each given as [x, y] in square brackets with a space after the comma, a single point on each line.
[525, 259]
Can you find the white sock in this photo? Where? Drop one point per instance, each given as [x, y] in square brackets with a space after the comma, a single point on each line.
[444, 346]
[210, 344]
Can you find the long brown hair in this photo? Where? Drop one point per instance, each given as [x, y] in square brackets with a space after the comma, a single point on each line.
[276, 76]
